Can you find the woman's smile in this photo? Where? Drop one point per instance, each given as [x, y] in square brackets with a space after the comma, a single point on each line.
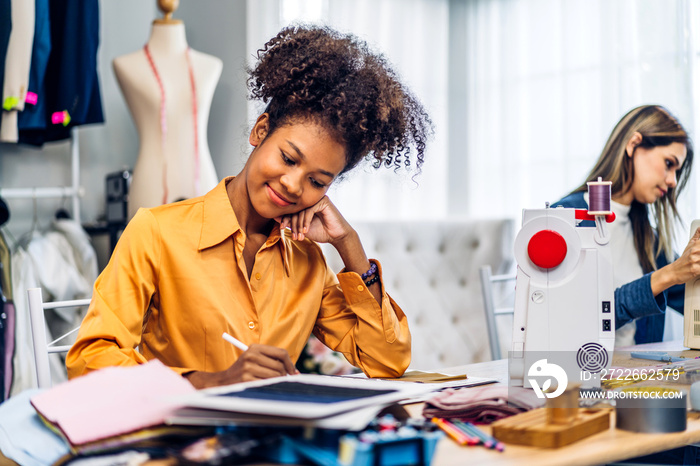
[277, 198]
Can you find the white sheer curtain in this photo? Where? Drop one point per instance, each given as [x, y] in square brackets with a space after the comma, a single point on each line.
[547, 81]
[523, 93]
[411, 34]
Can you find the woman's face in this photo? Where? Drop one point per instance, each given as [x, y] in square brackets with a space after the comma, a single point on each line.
[655, 171]
[292, 168]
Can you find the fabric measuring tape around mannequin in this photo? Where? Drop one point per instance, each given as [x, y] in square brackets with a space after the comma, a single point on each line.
[164, 121]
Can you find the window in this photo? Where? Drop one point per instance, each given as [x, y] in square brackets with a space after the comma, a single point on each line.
[523, 93]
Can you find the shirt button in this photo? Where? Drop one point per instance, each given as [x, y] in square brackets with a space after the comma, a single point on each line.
[251, 325]
[360, 287]
[257, 276]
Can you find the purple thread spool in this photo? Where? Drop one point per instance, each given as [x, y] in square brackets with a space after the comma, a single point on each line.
[599, 197]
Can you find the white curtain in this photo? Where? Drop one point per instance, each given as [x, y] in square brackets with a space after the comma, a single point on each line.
[523, 93]
[411, 34]
[548, 80]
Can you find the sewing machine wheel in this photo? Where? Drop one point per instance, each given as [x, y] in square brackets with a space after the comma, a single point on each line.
[532, 231]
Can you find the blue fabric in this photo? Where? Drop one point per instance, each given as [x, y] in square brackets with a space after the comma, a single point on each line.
[34, 116]
[5, 30]
[635, 300]
[24, 438]
[71, 82]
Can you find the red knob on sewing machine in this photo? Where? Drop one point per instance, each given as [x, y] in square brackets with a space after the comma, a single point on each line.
[546, 249]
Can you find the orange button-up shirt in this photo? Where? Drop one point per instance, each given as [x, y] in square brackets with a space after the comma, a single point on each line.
[177, 280]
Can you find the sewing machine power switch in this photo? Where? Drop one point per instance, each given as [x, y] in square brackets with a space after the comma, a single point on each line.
[547, 249]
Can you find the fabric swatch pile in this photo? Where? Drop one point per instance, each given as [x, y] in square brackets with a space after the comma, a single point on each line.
[481, 405]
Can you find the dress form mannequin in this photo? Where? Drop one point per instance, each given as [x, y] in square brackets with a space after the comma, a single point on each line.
[168, 167]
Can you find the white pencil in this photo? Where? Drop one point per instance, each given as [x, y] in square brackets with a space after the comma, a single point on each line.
[237, 343]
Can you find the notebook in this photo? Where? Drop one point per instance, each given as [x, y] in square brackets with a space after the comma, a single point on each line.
[303, 396]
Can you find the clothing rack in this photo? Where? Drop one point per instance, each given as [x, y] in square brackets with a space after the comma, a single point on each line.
[74, 191]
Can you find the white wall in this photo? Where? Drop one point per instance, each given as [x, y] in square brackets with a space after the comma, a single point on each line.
[216, 27]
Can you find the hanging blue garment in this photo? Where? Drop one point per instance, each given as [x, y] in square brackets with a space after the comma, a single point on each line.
[71, 84]
[5, 30]
[34, 114]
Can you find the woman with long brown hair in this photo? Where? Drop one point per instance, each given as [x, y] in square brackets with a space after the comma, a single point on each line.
[648, 158]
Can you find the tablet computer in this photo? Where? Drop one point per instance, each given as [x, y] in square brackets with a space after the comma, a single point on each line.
[303, 396]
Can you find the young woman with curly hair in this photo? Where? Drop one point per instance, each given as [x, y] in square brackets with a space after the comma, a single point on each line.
[648, 158]
[244, 259]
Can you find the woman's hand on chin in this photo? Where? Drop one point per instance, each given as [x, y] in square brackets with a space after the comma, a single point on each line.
[321, 222]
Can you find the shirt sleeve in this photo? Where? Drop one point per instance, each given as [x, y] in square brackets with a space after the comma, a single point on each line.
[635, 299]
[372, 337]
[676, 297]
[111, 330]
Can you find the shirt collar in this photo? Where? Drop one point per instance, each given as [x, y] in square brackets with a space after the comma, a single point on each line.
[220, 221]
[285, 249]
[620, 210]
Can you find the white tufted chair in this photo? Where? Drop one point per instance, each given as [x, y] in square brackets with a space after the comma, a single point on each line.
[431, 269]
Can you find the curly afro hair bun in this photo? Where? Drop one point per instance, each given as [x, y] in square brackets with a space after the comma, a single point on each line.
[309, 72]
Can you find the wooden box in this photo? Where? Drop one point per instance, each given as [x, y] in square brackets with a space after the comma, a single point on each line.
[531, 428]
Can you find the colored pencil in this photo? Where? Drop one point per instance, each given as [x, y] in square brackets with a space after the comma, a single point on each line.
[489, 442]
[455, 433]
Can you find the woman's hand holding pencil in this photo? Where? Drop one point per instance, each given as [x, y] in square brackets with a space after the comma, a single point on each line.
[255, 362]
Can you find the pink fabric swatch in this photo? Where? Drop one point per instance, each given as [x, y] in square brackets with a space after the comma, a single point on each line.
[112, 401]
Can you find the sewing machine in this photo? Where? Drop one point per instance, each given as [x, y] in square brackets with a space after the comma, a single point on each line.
[564, 296]
[691, 314]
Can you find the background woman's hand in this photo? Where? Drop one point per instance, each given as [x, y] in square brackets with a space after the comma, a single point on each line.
[682, 270]
[321, 222]
[687, 266]
[258, 362]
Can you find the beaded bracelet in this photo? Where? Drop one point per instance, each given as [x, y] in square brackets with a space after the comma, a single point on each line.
[372, 280]
[372, 270]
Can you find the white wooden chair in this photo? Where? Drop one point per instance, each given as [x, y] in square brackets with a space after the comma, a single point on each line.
[494, 307]
[42, 348]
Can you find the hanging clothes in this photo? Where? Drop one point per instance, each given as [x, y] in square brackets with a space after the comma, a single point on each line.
[5, 31]
[63, 263]
[7, 322]
[34, 114]
[3, 345]
[4, 210]
[71, 85]
[17, 64]
[5, 273]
